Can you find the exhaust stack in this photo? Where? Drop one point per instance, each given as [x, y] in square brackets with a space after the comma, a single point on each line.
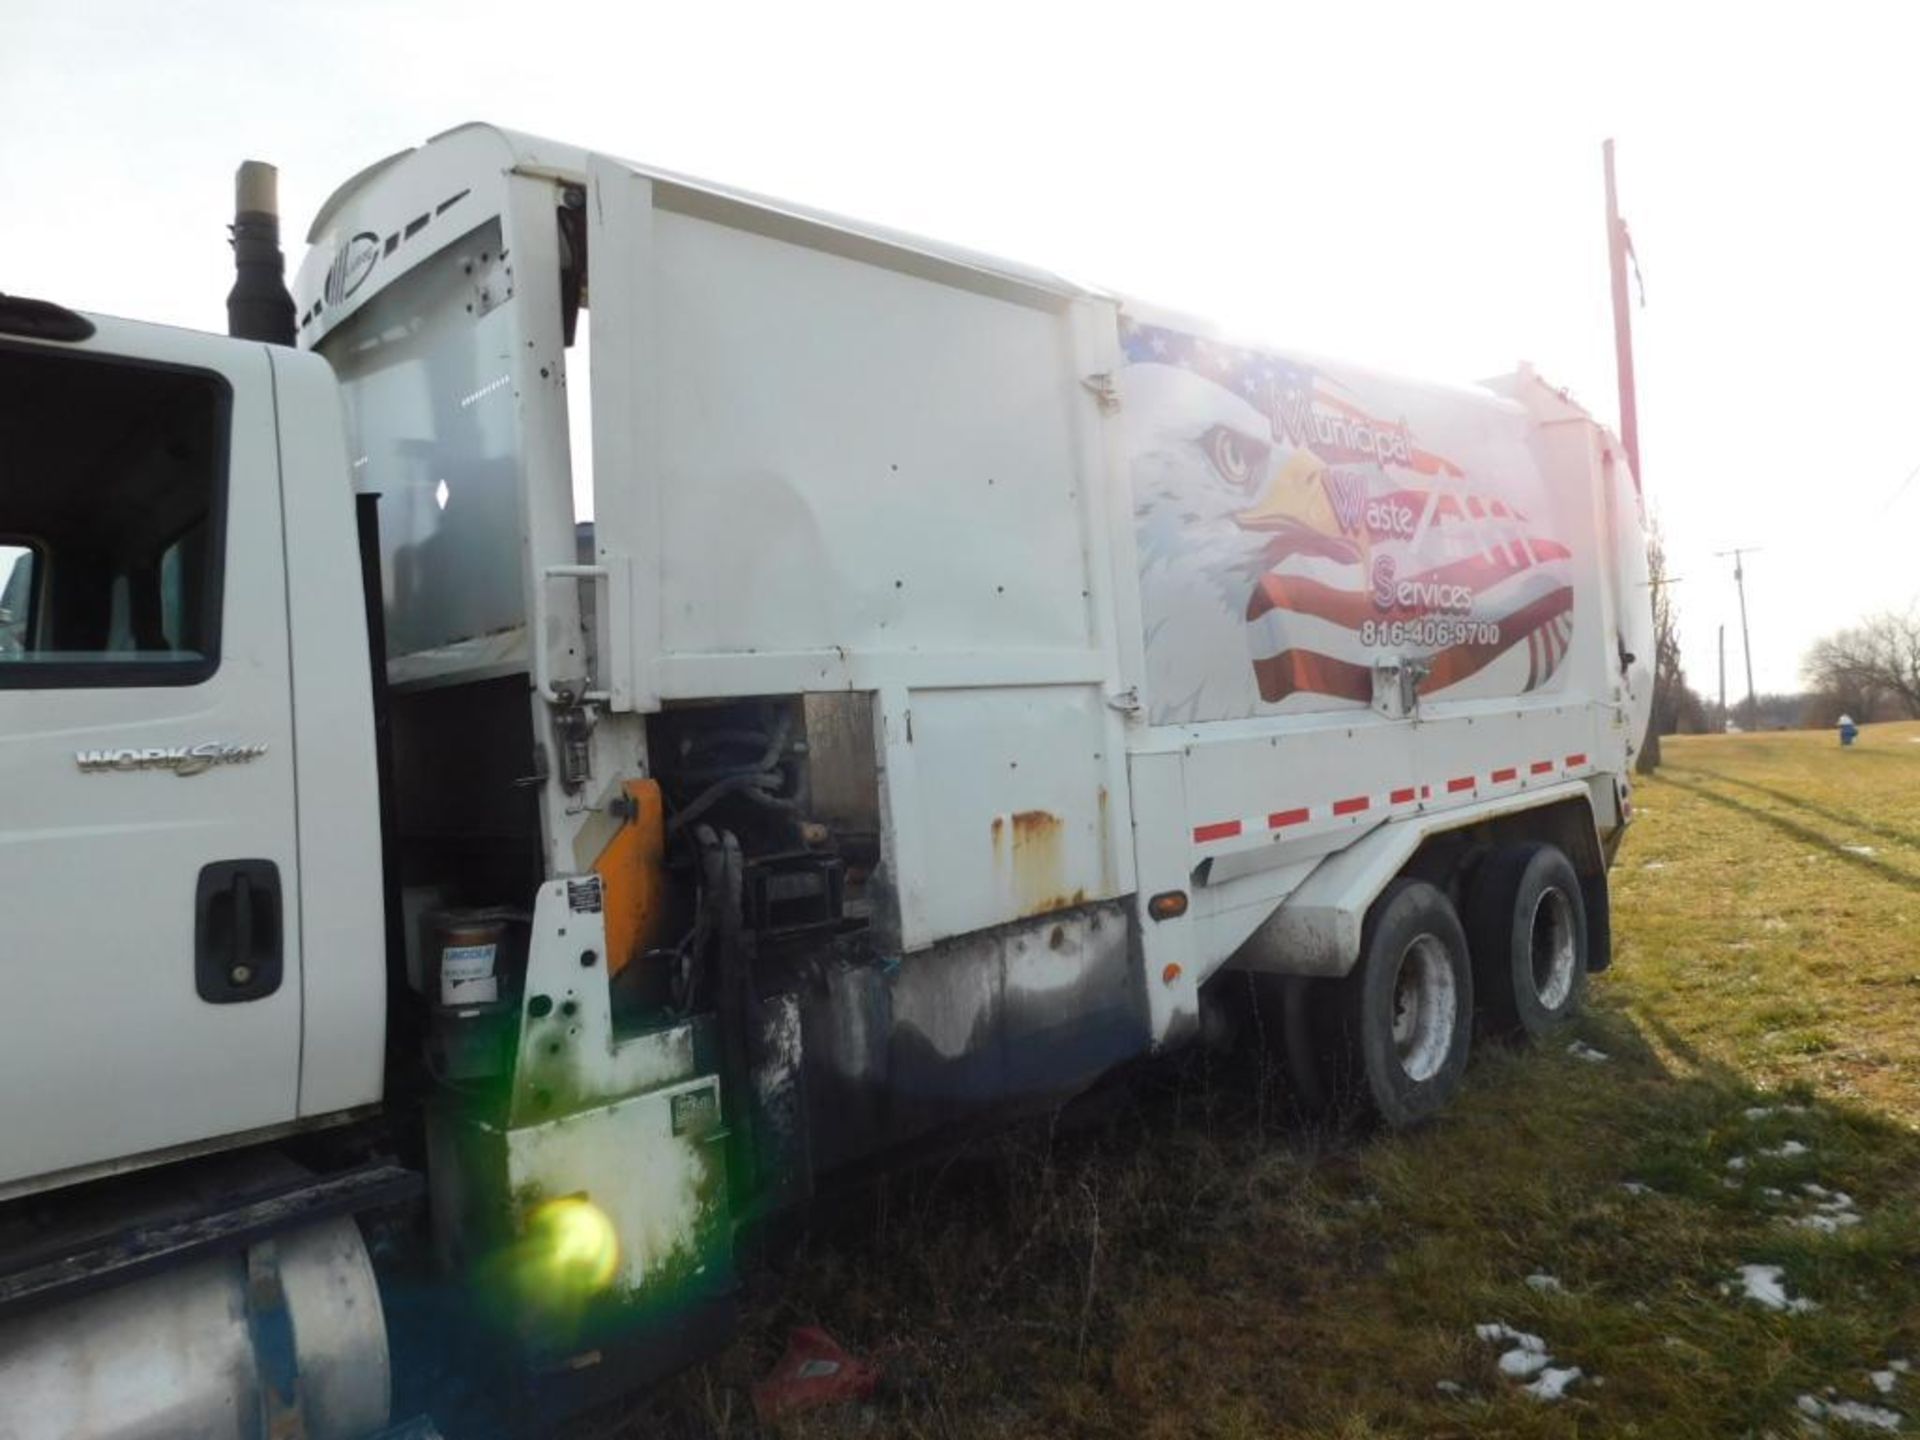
[258, 307]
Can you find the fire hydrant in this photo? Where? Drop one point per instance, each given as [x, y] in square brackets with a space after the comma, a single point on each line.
[1848, 730]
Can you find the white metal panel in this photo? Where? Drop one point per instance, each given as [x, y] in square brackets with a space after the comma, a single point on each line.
[626, 428]
[434, 419]
[1002, 801]
[112, 1050]
[1164, 859]
[394, 215]
[342, 903]
[855, 457]
[818, 457]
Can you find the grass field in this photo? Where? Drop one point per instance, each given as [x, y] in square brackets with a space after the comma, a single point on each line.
[1190, 1264]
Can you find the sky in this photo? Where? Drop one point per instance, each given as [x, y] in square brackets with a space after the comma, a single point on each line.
[1416, 188]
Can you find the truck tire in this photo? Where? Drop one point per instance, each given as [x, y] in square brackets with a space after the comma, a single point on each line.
[1303, 1046]
[1405, 1011]
[1527, 931]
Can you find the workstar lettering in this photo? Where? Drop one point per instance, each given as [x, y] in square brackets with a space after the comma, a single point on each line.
[180, 759]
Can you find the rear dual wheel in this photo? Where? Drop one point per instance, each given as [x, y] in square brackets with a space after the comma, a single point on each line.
[1390, 1040]
[1527, 930]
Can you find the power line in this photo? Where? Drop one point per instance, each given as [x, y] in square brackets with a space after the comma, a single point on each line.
[1894, 498]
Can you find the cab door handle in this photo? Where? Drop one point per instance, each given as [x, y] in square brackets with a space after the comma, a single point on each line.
[237, 931]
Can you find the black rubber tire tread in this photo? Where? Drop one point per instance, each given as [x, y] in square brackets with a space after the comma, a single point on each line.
[1501, 899]
[1362, 1066]
[1303, 1042]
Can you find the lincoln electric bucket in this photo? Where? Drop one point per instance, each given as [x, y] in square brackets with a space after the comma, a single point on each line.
[474, 960]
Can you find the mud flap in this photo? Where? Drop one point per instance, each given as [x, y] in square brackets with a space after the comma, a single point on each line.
[1594, 892]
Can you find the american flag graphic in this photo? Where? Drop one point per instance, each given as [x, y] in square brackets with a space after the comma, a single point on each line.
[1371, 545]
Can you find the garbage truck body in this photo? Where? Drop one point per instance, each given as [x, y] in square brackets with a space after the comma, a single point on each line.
[463, 865]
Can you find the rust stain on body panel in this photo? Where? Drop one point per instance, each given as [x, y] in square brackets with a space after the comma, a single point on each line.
[1038, 860]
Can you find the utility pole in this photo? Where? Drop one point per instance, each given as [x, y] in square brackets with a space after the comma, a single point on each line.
[1723, 679]
[1746, 642]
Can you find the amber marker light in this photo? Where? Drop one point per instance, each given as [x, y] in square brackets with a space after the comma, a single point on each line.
[1168, 905]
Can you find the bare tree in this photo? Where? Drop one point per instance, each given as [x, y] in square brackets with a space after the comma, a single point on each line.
[1875, 661]
[1669, 681]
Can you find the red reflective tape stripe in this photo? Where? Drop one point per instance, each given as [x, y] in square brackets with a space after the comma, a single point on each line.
[1465, 782]
[1426, 792]
[1280, 819]
[1541, 767]
[1224, 830]
[1352, 806]
[1401, 797]
[1501, 777]
[1573, 760]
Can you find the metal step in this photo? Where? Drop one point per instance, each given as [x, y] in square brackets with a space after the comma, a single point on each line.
[47, 1274]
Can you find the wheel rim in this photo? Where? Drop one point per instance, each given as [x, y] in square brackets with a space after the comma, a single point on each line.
[1426, 1001]
[1551, 948]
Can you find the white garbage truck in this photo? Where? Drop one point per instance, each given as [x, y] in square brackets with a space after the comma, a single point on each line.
[451, 880]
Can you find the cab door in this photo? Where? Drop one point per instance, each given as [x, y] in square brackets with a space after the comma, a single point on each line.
[149, 928]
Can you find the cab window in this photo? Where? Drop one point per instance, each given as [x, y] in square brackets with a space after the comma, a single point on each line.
[112, 474]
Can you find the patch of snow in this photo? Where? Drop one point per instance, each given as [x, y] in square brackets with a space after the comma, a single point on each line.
[1767, 1285]
[1786, 1150]
[1738, 1162]
[1636, 1187]
[1883, 1380]
[1901, 1367]
[1546, 1284]
[1552, 1384]
[1500, 1330]
[1833, 1210]
[1449, 1387]
[1773, 1192]
[1850, 1412]
[1580, 1050]
[1518, 1364]
[1654, 865]
[1860, 849]
[1765, 1112]
[1527, 1355]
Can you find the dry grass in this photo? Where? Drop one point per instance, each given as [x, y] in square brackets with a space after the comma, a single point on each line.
[1183, 1267]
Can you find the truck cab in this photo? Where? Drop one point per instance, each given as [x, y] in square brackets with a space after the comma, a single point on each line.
[190, 839]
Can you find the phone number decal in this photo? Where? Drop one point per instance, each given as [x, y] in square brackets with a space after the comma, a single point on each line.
[1438, 631]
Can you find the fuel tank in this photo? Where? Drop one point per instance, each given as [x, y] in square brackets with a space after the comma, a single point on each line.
[192, 1351]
